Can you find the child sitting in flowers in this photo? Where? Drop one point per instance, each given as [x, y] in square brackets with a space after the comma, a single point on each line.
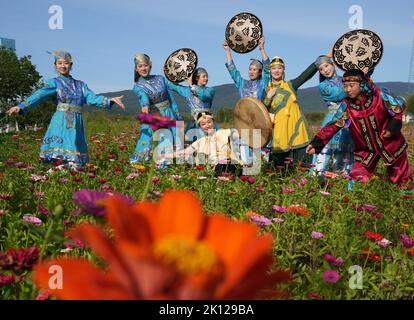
[222, 148]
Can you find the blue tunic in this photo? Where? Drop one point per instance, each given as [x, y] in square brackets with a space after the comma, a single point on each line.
[249, 88]
[198, 99]
[65, 138]
[153, 92]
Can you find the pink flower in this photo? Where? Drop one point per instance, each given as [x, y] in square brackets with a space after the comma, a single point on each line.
[176, 177]
[32, 220]
[314, 295]
[6, 280]
[251, 180]
[279, 209]
[243, 178]
[331, 276]
[287, 190]
[42, 210]
[317, 235]
[132, 176]
[260, 220]
[37, 178]
[407, 241]
[336, 262]
[43, 295]
[324, 193]
[303, 181]
[259, 189]
[74, 244]
[278, 220]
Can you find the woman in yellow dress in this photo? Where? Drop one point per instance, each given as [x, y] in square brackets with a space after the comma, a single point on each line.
[290, 132]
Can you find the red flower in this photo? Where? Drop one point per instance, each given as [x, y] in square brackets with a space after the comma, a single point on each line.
[373, 236]
[102, 181]
[370, 256]
[200, 167]
[117, 169]
[19, 259]
[5, 280]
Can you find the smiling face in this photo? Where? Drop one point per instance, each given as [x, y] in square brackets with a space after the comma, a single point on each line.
[327, 70]
[352, 89]
[143, 69]
[63, 67]
[202, 79]
[207, 125]
[254, 72]
[277, 72]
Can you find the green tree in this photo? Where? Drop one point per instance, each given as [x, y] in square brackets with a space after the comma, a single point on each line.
[18, 78]
[410, 104]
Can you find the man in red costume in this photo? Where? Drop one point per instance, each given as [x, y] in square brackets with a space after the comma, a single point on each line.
[374, 118]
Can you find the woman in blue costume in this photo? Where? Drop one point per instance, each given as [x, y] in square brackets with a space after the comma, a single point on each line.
[154, 98]
[65, 137]
[199, 98]
[340, 148]
[258, 73]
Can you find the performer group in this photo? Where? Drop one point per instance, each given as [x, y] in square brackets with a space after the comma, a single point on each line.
[362, 125]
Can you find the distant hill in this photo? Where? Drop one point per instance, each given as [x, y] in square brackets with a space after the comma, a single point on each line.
[227, 96]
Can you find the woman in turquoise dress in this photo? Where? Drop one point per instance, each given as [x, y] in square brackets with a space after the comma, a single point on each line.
[199, 98]
[154, 98]
[258, 73]
[340, 148]
[65, 138]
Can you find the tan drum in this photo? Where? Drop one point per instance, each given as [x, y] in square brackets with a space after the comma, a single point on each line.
[249, 114]
[358, 49]
[180, 65]
[243, 32]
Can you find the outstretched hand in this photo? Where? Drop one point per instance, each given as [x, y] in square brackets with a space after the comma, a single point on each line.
[13, 110]
[261, 42]
[226, 46]
[310, 149]
[118, 101]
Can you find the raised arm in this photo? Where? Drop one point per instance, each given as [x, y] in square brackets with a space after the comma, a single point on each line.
[183, 91]
[304, 76]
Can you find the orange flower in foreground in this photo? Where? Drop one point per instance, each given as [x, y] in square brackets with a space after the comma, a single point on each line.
[168, 250]
[299, 210]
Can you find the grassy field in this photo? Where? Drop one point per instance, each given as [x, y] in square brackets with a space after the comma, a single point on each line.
[329, 234]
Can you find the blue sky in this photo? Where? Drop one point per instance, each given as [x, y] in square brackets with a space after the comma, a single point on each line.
[103, 35]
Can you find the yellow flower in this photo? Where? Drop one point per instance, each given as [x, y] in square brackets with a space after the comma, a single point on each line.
[138, 167]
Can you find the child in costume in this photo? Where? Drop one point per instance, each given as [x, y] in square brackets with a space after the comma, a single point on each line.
[65, 138]
[221, 148]
[374, 119]
[154, 98]
[340, 148]
[199, 98]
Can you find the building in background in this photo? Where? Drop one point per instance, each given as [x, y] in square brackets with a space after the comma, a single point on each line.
[6, 43]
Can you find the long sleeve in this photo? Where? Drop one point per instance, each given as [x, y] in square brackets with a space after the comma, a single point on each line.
[39, 96]
[395, 106]
[183, 91]
[304, 76]
[203, 93]
[339, 121]
[98, 101]
[235, 74]
[143, 98]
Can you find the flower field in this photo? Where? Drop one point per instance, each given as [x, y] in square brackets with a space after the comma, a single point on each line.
[336, 244]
